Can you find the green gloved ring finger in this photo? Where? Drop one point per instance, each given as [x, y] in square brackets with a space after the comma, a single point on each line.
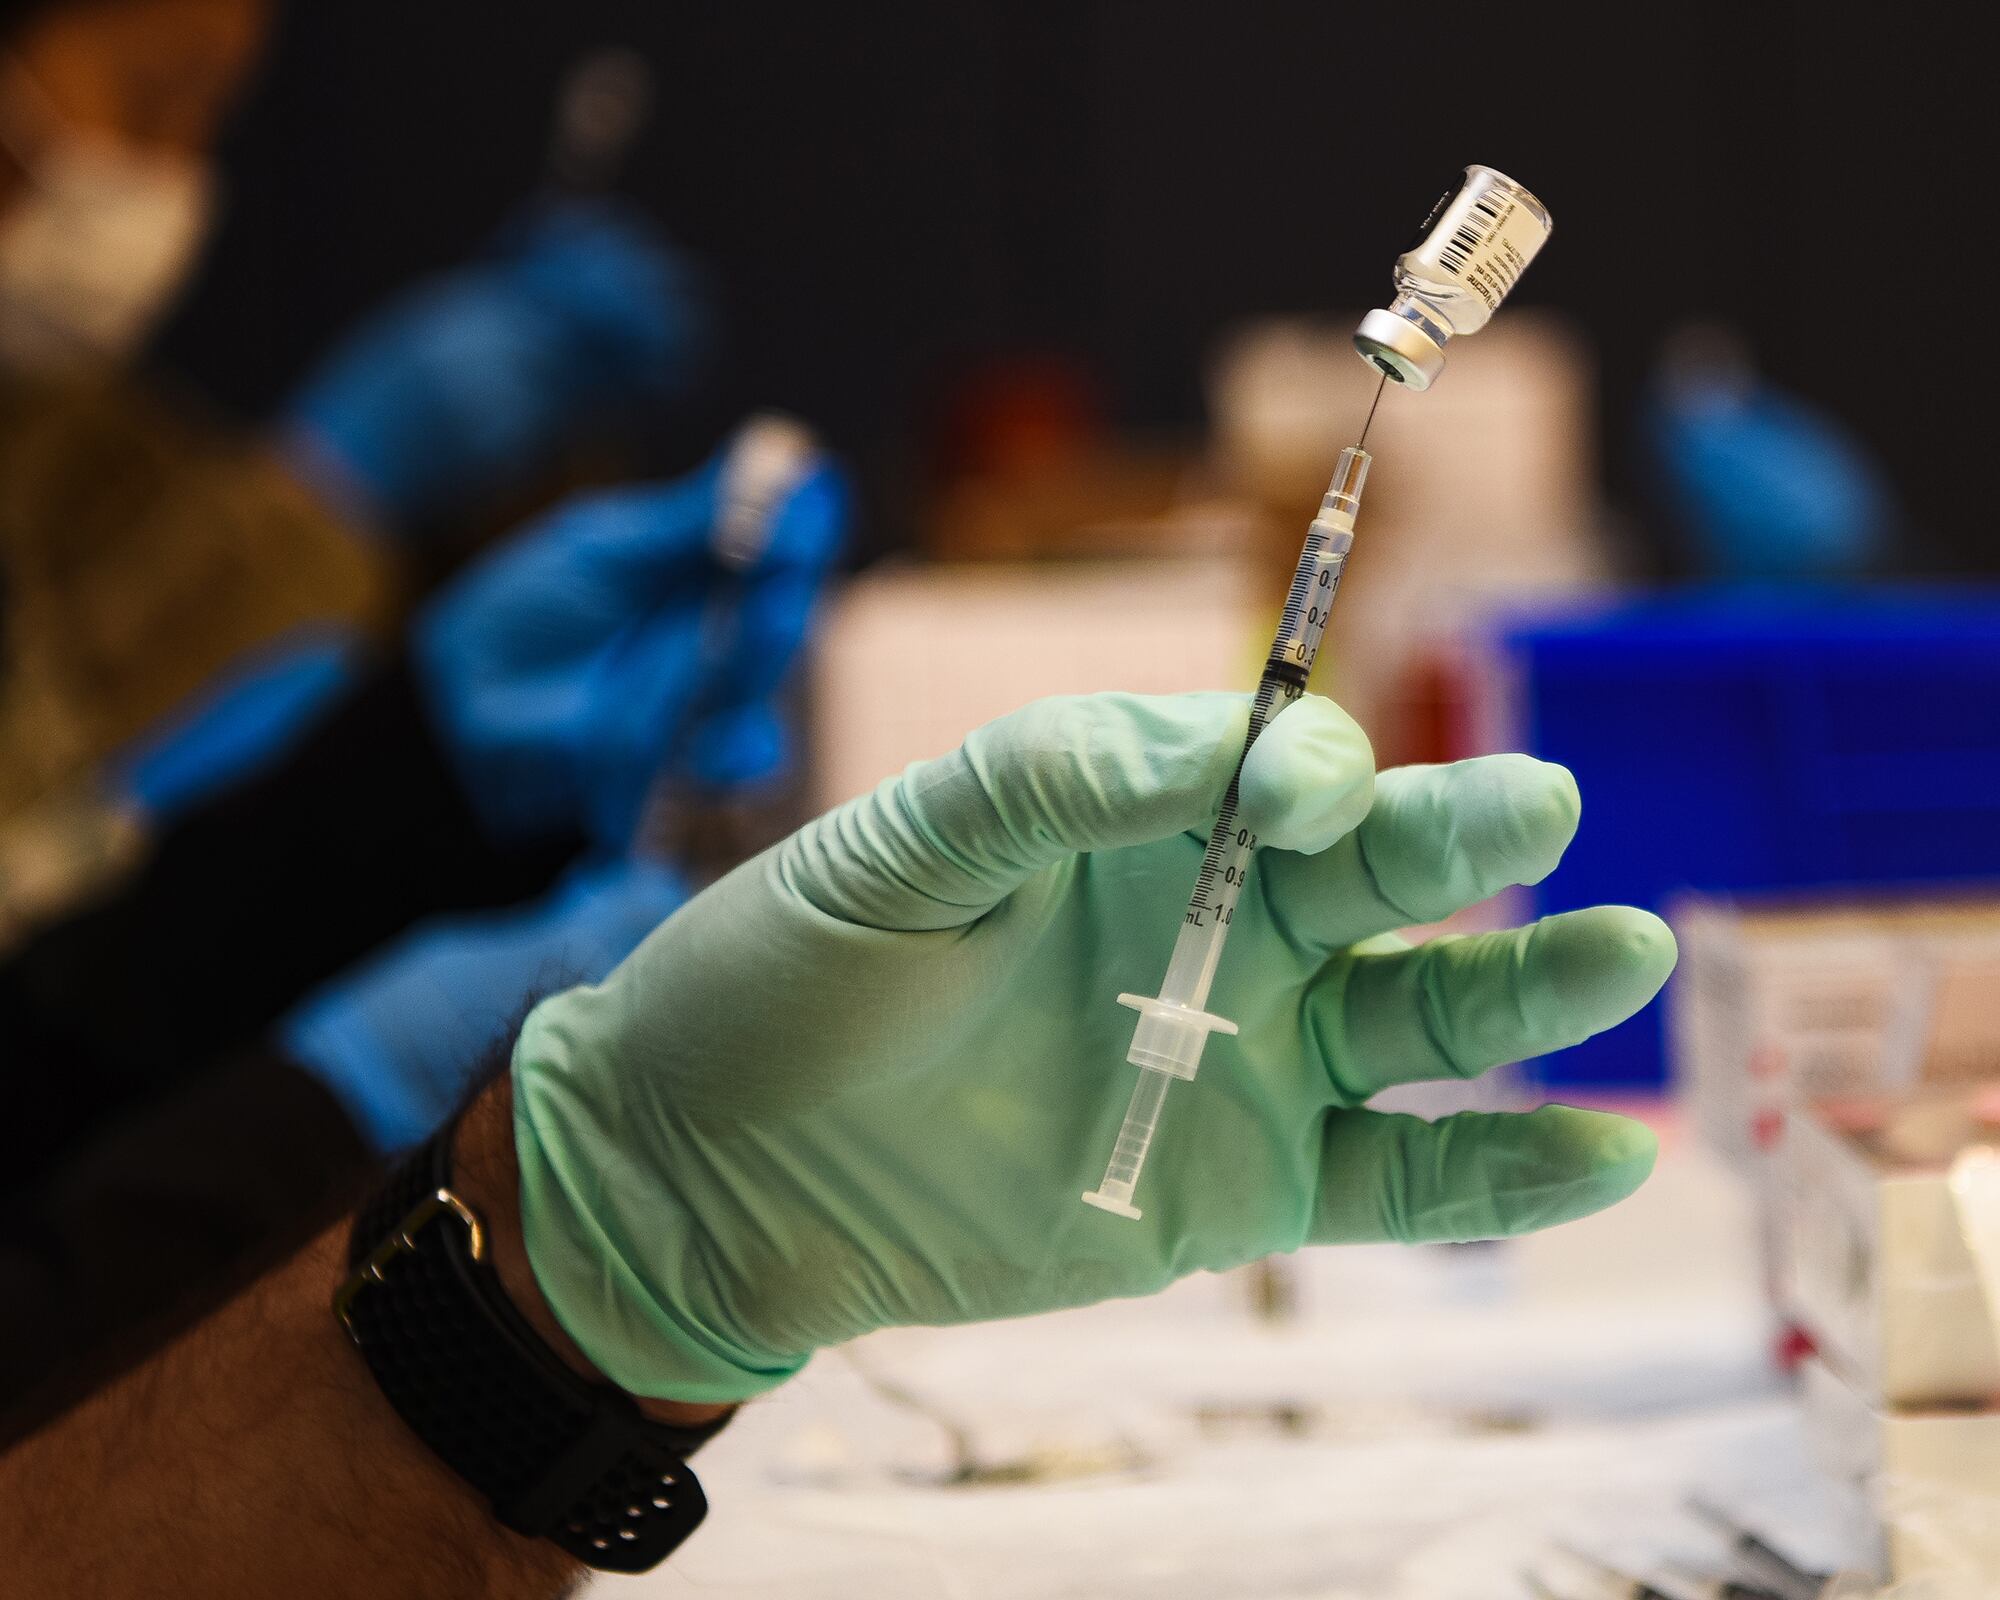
[1475, 1175]
[1457, 1005]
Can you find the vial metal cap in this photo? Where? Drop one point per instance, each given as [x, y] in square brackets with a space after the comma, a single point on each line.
[1398, 347]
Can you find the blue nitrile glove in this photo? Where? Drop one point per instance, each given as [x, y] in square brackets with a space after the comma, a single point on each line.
[565, 668]
[1766, 486]
[469, 380]
[739, 749]
[397, 1037]
[237, 725]
[864, 1079]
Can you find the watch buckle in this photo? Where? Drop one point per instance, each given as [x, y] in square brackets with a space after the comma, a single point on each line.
[402, 1240]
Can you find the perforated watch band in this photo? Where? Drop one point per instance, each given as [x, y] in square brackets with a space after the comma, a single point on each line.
[559, 1457]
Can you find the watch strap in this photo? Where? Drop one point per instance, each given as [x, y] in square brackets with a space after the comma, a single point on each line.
[559, 1457]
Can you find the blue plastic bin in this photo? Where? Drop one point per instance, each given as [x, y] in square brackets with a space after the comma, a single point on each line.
[1741, 740]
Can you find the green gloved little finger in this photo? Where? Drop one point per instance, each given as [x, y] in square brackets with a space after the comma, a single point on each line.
[1473, 1175]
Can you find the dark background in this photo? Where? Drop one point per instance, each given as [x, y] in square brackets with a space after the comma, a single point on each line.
[888, 192]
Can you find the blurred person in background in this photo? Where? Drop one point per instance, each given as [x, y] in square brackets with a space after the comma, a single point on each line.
[146, 553]
[366, 855]
[303, 976]
[138, 553]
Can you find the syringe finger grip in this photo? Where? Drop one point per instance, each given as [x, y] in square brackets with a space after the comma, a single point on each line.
[1170, 1038]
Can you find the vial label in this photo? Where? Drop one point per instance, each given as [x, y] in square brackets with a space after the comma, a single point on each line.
[1484, 241]
[1452, 191]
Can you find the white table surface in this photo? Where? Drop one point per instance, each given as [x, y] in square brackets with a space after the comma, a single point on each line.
[1422, 1427]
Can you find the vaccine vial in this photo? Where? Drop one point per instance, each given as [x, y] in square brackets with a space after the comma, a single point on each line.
[1470, 252]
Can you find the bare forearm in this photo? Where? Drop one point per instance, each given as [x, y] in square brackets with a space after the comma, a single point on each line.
[257, 1457]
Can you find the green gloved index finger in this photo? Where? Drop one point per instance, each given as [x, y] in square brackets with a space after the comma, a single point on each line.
[1474, 1175]
[1457, 1005]
[951, 838]
[1438, 839]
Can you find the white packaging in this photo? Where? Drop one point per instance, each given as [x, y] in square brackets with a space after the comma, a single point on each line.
[1780, 1003]
[1876, 1267]
[1930, 1478]
[911, 659]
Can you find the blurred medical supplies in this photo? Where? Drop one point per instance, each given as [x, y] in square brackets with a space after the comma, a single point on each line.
[1929, 1476]
[1152, 628]
[1779, 1001]
[1755, 741]
[735, 783]
[1757, 1556]
[1892, 1214]
[1746, 1566]
[1876, 1270]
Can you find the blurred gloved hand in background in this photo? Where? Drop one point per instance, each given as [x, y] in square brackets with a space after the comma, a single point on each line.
[864, 1079]
[239, 724]
[398, 1037]
[1763, 485]
[566, 667]
[465, 383]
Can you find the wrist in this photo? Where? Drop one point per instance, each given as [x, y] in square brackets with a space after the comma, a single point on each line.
[486, 1176]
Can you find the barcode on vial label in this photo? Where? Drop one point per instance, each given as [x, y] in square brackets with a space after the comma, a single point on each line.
[1470, 235]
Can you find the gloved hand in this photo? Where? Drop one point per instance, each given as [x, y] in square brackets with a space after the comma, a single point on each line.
[398, 1037]
[236, 726]
[463, 383]
[1766, 486]
[864, 1079]
[565, 668]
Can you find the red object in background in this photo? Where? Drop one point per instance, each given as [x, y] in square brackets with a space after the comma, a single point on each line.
[1792, 1347]
[1767, 1127]
[1433, 713]
[1014, 416]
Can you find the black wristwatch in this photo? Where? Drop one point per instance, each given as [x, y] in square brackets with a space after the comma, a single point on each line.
[559, 1457]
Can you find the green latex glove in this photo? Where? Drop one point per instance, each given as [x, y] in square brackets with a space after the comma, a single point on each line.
[864, 1079]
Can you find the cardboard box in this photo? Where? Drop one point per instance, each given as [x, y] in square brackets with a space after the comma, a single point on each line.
[910, 659]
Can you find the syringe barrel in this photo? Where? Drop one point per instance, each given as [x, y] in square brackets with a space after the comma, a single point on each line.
[1310, 601]
[1226, 862]
[1173, 1027]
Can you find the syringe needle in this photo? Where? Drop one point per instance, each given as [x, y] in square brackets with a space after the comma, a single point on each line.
[1362, 442]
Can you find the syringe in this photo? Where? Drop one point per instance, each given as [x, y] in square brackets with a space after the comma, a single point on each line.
[1471, 251]
[1174, 1026]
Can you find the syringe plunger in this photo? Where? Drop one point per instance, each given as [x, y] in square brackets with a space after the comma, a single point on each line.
[1128, 1155]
